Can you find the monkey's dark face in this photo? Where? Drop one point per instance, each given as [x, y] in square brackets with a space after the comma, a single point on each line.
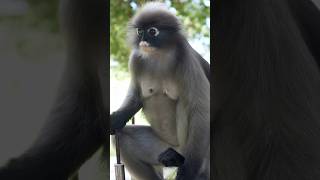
[150, 37]
[154, 29]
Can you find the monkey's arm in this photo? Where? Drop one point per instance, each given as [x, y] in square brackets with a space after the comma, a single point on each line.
[131, 105]
[197, 145]
[197, 95]
[204, 64]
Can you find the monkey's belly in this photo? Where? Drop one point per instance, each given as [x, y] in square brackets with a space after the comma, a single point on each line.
[160, 112]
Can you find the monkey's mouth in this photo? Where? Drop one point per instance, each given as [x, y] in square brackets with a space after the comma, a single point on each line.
[145, 46]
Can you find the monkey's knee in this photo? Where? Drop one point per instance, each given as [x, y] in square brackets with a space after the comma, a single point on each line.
[131, 156]
[127, 141]
[121, 137]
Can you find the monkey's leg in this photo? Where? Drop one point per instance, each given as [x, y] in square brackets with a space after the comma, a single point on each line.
[139, 149]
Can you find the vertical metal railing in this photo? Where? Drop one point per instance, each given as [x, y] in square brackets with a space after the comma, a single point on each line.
[119, 167]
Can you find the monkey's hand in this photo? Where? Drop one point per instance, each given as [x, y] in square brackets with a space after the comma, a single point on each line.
[182, 173]
[171, 158]
[186, 173]
[117, 121]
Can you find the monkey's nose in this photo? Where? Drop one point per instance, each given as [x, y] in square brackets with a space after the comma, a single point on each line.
[144, 44]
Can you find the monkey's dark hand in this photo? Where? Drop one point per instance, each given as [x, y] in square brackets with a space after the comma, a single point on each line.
[117, 121]
[182, 173]
[171, 158]
[188, 172]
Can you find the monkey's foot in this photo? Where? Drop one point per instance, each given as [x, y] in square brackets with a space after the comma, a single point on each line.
[171, 158]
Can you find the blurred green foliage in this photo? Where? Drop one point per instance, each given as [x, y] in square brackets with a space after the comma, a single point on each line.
[40, 14]
[193, 14]
[120, 12]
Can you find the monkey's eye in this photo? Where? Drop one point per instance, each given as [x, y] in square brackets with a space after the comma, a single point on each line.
[139, 31]
[153, 31]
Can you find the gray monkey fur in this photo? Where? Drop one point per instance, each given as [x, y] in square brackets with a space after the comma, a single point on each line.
[172, 86]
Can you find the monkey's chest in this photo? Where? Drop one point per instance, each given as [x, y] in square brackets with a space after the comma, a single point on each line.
[151, 87]
[159, 107]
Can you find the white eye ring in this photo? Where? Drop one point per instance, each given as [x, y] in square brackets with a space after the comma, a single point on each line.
[153, 31]
[139, 32]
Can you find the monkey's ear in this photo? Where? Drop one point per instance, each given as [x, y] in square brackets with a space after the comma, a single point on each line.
[171, 158]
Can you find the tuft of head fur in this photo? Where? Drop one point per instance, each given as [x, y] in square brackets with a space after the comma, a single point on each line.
[155, 13]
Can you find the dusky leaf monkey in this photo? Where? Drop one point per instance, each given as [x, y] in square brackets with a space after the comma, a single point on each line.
[170, 81]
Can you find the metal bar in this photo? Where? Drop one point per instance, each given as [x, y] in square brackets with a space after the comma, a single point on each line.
[120, 175]
[117, 148]
[119, 167]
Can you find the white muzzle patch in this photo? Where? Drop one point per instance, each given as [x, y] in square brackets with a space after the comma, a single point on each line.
[145, 47]
[144, 44]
